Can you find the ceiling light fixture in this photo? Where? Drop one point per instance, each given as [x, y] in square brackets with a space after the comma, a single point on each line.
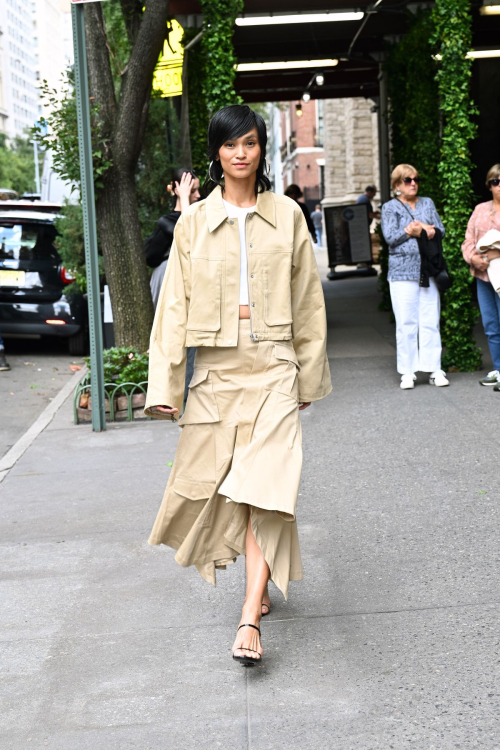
[299, 18]
[490, 8]
[306, 96]
[298, 110]
[483, 53]
[320, 79]
[255, 67]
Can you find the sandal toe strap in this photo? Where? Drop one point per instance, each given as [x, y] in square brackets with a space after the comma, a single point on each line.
[249, 625]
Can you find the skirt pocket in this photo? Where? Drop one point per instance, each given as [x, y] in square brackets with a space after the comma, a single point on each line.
[201, 404]
[282, 371]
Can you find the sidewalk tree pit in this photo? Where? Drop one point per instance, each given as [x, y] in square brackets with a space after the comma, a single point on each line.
[125, 376]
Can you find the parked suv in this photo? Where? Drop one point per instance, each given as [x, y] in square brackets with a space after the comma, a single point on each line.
[32, 278]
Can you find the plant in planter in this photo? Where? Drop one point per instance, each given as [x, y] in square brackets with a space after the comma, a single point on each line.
[125, 376]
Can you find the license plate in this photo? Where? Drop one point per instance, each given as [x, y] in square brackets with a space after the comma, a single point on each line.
[12, 278]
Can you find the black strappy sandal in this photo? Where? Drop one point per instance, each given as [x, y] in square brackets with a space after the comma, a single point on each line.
[268, 609]
[247, 661]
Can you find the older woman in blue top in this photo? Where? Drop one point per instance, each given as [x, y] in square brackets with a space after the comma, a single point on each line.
[416, 308]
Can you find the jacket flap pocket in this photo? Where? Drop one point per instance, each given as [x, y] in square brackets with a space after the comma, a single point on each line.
[194, 490]
[200, 374]
[286, 353]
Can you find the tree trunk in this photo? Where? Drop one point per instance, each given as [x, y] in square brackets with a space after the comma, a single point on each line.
[121, 127]
[126, 271]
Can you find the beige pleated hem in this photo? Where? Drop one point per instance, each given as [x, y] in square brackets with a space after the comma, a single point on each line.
[240, 452]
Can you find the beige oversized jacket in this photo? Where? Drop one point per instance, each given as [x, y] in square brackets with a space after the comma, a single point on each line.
[199, 300]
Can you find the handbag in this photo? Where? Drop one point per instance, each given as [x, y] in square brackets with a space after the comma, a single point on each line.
[442, 277]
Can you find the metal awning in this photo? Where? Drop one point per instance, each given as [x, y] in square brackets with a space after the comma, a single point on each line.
[357, 45]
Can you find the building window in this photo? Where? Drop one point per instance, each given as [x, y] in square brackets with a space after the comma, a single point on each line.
[320, 108]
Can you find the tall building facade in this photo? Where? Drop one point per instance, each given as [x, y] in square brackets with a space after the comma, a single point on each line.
[18, 67]
[33, 47]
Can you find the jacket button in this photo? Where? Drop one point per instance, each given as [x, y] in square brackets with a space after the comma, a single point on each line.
[251, 245]
[231, 221]
[253, 304]
[251, 275]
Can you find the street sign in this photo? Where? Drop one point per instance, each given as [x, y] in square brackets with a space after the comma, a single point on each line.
[167, 79]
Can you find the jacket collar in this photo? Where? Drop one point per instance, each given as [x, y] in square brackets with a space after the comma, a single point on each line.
[216, 213]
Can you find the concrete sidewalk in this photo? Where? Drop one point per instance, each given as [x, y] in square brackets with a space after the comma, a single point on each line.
[391, 641]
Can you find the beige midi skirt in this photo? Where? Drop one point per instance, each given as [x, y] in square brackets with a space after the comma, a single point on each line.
[239, 455]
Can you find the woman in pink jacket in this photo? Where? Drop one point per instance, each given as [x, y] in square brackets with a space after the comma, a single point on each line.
[486, 216]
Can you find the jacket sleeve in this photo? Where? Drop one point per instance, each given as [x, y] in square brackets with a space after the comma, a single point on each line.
[435, 217]
[167, 351]
[394, 233]
[309, 318]
[469, 244]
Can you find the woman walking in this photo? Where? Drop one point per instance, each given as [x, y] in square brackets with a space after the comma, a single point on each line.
[486, 216]
[416, 308]
[242, 285]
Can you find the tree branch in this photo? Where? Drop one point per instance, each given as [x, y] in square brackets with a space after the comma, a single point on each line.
[132, 12]
[99, 67]
[136, 84]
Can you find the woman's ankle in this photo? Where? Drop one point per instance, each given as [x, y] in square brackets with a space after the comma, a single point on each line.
[251, 612]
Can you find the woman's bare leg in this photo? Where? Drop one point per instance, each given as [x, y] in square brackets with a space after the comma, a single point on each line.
[247, 639]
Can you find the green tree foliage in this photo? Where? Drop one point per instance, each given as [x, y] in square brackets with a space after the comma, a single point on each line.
[414, 104]
[17, 166]
[453, 39]
[156, 163]
[198, 109]
[218, 52]
[70, 246]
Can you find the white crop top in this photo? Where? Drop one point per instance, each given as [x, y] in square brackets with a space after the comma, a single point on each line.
[235, 212]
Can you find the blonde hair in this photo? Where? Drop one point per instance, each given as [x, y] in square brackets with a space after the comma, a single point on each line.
[402, 170]
[494, 171]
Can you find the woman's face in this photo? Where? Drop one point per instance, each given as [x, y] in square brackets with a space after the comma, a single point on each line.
[408, 187]
[195, 191]
[240, 157]
[495, 191]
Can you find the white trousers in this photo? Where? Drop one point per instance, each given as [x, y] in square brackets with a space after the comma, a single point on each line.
[417, 311]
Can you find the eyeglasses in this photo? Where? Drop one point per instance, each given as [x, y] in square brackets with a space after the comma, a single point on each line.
[409, 180]
[495, 181]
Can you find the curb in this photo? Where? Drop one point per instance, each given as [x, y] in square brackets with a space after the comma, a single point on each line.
[18, 449]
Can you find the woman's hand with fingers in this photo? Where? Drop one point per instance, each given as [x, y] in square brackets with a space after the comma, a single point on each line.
[183, 190]
[304, 405]
[166, 410]
[480, 261]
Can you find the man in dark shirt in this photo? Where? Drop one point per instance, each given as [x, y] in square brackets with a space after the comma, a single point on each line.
[367, 197]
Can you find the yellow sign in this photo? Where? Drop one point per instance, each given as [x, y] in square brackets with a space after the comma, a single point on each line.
[167, 79]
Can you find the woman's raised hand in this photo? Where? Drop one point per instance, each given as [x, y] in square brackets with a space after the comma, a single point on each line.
[414, 229]
[183, 190]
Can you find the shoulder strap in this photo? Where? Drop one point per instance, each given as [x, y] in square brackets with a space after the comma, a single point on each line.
[405, 206]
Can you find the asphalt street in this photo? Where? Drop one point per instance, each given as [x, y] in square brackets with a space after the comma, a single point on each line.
[391, 641]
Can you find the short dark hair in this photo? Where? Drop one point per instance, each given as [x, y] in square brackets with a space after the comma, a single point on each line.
[293, 191]
[370, 189]
[233, 122]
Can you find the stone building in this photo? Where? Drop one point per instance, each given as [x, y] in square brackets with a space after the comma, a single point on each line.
[351, 149]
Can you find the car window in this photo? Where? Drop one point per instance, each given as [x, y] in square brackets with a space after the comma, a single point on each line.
[27, 241]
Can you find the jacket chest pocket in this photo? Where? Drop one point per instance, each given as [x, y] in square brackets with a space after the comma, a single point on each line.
[204, 306]
[278, 290]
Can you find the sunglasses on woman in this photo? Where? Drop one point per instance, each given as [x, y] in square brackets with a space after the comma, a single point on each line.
[495, 182]
[409, 180]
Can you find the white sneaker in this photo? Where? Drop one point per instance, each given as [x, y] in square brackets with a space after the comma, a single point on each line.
[408, 381]
[438, 378]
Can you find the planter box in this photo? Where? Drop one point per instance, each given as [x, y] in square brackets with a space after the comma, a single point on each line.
[138, 401]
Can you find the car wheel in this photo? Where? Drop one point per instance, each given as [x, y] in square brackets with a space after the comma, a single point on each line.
[77, 344]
